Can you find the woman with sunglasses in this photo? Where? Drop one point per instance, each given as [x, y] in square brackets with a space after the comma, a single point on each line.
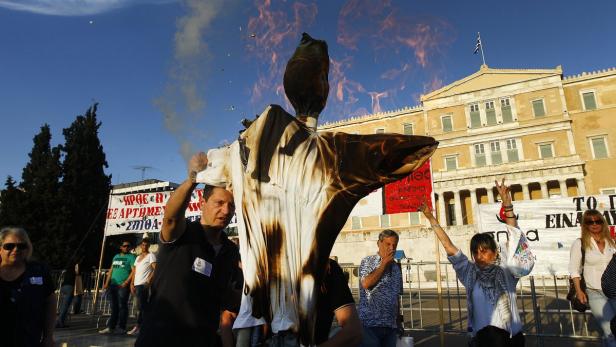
[598, 249]
[27, 298]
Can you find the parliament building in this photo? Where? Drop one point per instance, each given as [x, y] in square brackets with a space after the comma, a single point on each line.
[549, 134]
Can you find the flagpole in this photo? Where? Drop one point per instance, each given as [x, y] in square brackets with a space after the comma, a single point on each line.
[481, 47]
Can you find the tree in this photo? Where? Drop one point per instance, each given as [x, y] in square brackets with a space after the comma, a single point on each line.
[11, 199]
[85, 186]
[40, 212]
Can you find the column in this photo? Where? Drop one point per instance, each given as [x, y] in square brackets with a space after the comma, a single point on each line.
[544, 190]
[474, 204]
[525, 191]
[442, 217]
[563, 188]
[581, 186]
[457, 207]
[490, 195]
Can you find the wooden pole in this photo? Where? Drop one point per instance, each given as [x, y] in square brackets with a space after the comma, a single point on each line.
[98, 274]
[439, 291]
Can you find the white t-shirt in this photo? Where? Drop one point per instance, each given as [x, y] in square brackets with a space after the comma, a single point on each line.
[484, 313]
[143, 268]
[245, 319]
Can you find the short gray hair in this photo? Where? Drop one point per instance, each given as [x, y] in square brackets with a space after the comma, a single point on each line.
[20, 233]
[388, 233]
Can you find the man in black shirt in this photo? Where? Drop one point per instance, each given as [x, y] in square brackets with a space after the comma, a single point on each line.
[334, 299]
[197, 265]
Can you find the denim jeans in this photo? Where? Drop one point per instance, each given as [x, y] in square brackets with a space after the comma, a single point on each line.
[66, 292]
[119, 306]
[603, 309]
[379, 337]
[249, 337]
[143, 298]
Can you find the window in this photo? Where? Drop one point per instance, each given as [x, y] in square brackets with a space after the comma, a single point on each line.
[506, 111]
[545, 150]
[495, 153]
[589, 101]
[480, 155]
[356, 222]
[380, 131]
[385, 221]
[599, 147]
[475, 116]
[451, 163]
[512, 151]
[408, 129]
[490, 113]
[538, 108]
[447, 123]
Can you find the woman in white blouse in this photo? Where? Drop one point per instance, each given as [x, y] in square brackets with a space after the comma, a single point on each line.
[599, 248]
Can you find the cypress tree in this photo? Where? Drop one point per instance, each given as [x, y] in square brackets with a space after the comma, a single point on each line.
[40, 207]
[11, 198]
[85, 186]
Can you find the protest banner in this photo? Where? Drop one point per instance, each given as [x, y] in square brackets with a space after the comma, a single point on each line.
[143, 212]
[406, 194]
[551, 226]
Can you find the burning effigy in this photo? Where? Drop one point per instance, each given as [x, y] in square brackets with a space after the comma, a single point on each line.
[294, 189]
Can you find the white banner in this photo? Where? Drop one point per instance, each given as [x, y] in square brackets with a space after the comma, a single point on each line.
[551, 226]
[369, 205]
[143, 212]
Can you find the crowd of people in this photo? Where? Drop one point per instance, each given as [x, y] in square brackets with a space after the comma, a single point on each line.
[192, 292]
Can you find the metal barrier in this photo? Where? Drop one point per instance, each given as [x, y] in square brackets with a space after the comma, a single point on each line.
[103, 305]
[541, 300]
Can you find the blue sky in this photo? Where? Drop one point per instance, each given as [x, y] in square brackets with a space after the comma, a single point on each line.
[173, 77]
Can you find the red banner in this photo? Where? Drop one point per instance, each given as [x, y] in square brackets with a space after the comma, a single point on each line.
[405, 195]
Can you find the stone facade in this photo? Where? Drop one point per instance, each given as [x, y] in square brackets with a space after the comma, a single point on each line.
[549, 135]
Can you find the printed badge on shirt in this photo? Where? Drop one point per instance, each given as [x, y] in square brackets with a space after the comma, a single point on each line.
[202, 266]
[36, 281]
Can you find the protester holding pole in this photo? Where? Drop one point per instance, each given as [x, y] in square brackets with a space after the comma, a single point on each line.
[491, 277]
[590, 256]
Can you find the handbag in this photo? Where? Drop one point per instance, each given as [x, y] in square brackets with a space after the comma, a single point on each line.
[575, 302]
[608, 279]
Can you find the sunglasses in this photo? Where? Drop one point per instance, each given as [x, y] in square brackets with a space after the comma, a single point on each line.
[125, 246]
[11, 246]
[596, 222]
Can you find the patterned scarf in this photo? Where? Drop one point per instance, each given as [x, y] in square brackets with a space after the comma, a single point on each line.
[494, 286]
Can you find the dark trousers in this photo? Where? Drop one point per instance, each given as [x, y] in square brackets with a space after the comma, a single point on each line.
[119, 306]
[66, 292]
[77, 303]
[143, 298]
[492, 336]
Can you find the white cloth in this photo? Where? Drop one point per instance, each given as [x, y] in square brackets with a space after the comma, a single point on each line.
[143, 268]
[485, 314]
[595, 262]
[245, 319]
[293, 190]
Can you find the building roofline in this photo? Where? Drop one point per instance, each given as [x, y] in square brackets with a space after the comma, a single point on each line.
[589, 75]
[484, 69]
[372, 116]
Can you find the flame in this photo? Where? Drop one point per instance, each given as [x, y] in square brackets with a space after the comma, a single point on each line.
[417, 41]
[275, 35]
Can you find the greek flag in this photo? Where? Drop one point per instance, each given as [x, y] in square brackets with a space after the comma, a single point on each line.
[478, 45]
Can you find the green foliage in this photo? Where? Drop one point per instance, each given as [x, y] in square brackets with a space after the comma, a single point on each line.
[85, 186]
[60, 202]
[10, 203]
